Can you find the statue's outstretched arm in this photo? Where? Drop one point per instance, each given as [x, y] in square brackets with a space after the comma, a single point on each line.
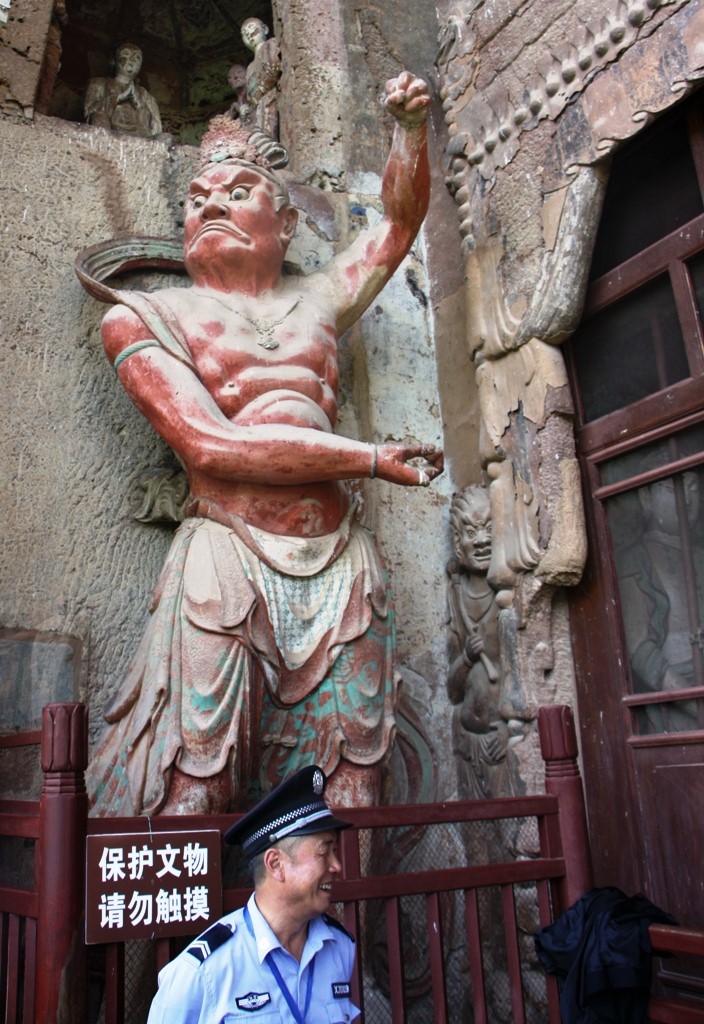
[355, 277]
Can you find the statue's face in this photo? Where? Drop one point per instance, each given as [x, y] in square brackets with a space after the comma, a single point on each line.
[236, 76]
[231, 215]
[129, 61]
[254, 32]
[472, 538]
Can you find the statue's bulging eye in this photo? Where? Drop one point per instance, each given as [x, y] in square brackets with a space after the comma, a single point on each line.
[197, 202]
[240, 194]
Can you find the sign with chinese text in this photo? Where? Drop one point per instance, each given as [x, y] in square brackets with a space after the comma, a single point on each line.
[153, 885]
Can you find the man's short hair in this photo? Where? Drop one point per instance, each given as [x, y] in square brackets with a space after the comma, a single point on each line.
[289, 845]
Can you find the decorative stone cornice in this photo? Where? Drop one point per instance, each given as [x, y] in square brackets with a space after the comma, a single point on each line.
[486, 126]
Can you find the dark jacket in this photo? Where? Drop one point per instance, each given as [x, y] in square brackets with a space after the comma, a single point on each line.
[601, 953]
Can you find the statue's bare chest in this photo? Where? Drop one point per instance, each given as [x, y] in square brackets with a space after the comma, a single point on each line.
[245, 350]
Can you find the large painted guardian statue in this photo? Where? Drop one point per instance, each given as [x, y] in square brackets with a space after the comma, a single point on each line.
[270, 641]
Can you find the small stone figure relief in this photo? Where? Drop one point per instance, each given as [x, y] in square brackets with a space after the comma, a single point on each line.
[661, 581]
[243, 110]
[480, 735]
[262, 76]
[237, 80]
[119, 103]
[271, 638]
[256, 91]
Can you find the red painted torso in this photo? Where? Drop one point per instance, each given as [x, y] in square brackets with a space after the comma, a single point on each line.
[267, 363]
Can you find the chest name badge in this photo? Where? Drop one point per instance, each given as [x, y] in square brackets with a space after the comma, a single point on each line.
[340, 989]
[253, 1001]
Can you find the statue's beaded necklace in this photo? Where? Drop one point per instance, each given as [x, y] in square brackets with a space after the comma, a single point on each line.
[264, 326]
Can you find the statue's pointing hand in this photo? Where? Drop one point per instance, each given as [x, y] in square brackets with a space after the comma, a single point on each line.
[394, 463]
[407, 99]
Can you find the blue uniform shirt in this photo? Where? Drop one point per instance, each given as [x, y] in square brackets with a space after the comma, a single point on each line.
[225, 978]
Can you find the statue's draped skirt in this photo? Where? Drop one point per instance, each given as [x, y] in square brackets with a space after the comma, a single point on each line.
[250, 668]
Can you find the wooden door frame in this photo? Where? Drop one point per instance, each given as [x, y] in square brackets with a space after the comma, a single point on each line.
[601, 660]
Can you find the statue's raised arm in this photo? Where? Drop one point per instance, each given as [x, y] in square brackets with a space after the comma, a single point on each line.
[358, 274]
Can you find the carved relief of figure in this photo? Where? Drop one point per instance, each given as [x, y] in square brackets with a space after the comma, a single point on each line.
[237, 80]
[480, 734]
[271, 637]
[119, 103]
[244, 108]
[263, 75]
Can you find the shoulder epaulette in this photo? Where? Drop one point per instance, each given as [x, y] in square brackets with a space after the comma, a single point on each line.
[209, 941]
[334, 923]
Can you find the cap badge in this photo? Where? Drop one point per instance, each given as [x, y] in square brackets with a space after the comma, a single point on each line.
[318, 782]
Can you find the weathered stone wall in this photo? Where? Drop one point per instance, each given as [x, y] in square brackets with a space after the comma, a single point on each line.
[22, 46]
[73, 447]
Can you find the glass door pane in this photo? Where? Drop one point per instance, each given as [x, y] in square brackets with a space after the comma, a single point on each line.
[630, 350]
[657, 532]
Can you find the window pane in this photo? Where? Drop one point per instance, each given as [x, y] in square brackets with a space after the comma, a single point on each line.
[630, 350]
[696, 270]
[639, 209]
[658, 543]
[671, 716]
[682, 445]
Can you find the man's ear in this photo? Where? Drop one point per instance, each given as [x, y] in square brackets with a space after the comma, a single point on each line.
[274, 863]
[289, 216]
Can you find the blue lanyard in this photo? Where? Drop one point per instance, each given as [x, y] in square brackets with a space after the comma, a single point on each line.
[292, 1005]
[283, 987]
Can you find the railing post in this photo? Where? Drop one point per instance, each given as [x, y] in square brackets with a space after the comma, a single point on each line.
[63, 809]
[558, 745]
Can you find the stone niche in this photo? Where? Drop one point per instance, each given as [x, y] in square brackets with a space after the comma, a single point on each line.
[35, 669]
[50, 49]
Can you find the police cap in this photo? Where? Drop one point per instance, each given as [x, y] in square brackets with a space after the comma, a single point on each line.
[295, 808]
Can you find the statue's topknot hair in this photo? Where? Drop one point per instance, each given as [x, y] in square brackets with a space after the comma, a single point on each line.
[229, 139]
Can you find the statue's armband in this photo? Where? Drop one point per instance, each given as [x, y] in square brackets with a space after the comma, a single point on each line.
[132, 349]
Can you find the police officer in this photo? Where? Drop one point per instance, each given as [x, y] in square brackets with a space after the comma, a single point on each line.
[280, 958]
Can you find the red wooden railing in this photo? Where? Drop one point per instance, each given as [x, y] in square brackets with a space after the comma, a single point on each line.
[44, 926]
[19, 819]
[42, 954]
[676, 941]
